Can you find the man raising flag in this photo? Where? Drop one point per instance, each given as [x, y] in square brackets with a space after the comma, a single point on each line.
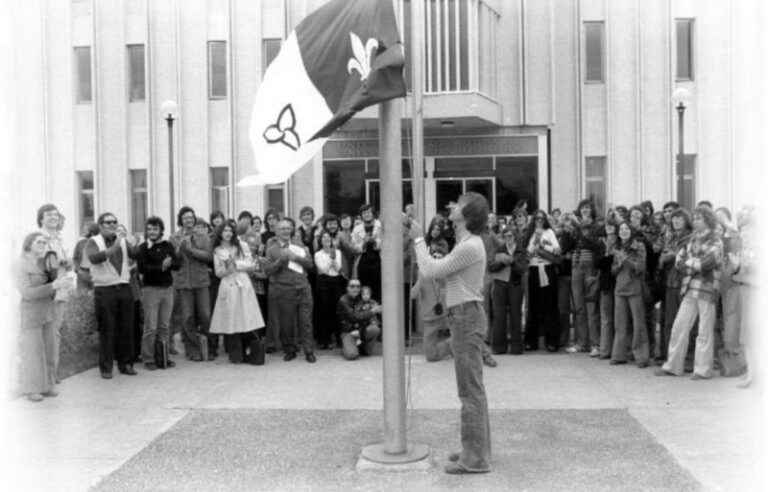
[343, 57]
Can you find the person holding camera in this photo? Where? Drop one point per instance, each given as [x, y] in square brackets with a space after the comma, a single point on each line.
[108, 253]
[463, 270]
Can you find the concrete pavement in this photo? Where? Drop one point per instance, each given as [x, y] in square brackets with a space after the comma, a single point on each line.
[95, 426]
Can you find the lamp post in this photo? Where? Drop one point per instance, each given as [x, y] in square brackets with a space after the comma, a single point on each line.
[168, 112]
[680, 98]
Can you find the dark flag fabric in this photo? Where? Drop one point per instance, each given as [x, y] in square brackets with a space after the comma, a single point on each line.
[343, 57]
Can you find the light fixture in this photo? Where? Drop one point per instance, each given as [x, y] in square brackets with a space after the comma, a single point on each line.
[168, 109]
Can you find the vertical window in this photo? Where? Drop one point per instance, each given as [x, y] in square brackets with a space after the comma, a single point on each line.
[593, 51]
[217, 69]
[344, 183]
[136, 79]
[85, 207]
[83, 74]
[594, 181]
[220, 190]
[139, 206]
[684, 28]
[269, 49]
[276, 198]
[517, 180]
[686, 181]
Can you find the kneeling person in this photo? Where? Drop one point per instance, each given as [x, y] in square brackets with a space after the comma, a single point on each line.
[359, 321]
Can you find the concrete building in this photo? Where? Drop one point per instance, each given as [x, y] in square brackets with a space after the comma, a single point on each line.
[538, 100]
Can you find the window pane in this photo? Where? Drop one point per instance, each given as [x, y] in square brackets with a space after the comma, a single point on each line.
[516, 181]
[373, 168]
[463, 166]
[686, 181]
[374, 193]
[406, 34]
[85, 198]
[220, 190]
[595, 167]
[482, 186]
[276, 199]
[344, 186]
[85, 178]
[684, 49]
[217, 69]
[83, 74]
[434, 41]
[446, 191]
[464, 44]
[270, 49]
[593, 46]
[136, 72]
[452, 44]
[219, 176]
[138, 199]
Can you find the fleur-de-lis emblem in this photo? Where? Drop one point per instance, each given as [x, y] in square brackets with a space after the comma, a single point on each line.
[363, 54]
[284, 130]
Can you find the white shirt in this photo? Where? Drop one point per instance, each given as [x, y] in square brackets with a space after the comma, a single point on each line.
[327, 266]
[547, 236]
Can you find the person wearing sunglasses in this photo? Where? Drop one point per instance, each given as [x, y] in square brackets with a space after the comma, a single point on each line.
[108, 253]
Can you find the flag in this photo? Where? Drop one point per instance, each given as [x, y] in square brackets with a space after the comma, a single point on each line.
[343, 57]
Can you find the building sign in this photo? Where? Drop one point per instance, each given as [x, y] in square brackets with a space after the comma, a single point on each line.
[436, 146]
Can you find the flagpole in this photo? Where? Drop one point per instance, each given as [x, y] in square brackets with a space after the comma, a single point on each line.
[417, 107]
[395, 448]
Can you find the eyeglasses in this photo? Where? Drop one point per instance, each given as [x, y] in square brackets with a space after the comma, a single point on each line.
[109, 222]
[354, 286]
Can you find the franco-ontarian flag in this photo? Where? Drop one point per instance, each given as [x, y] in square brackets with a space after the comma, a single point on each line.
[343, 57]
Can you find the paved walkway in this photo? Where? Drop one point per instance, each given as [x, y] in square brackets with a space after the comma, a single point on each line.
[74, 441]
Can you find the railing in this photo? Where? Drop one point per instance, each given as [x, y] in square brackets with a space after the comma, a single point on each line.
[459, 45]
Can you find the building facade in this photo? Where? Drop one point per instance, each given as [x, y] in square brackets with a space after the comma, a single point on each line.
[542, 101]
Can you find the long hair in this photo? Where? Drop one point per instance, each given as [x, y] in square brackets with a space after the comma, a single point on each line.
[270, 213]
[218, 239]
[436, 221]
[634, 234]
[532, 225]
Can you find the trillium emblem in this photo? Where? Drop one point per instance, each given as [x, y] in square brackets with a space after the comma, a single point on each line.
[362, 59]
[284, 131]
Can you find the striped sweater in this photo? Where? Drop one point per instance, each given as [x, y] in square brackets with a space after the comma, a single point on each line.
[463, 269]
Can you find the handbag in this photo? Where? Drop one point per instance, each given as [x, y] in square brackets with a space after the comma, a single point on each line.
[258, 352]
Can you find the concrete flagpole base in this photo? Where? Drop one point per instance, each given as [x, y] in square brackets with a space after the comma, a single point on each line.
[375, 458]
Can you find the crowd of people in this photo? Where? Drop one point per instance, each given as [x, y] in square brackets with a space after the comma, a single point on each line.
[632, 285]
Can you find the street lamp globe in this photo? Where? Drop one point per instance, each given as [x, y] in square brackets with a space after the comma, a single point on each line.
[168, 109]
[681, 96]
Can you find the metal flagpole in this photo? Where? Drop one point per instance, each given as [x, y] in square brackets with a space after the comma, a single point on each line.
[395, 448]
[417, 107]
[417, 130]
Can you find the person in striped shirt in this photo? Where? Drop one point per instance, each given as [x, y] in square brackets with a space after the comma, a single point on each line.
[463, 270]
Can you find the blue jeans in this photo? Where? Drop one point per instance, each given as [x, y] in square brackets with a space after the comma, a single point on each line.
[467, 323]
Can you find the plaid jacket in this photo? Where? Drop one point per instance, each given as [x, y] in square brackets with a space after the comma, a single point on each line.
[701, 263]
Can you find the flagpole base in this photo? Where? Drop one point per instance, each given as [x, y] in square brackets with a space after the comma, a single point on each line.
[375, 457]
